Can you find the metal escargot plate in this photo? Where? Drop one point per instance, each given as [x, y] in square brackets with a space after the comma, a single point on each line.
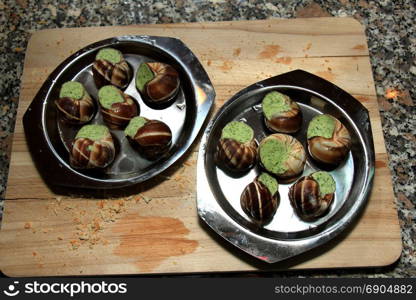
[49, 139]
[218, 197]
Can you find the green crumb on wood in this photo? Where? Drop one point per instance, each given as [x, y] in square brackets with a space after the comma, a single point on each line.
[72, 89]
[143, 76]
[269, 182]
[108, 95]
[321, 125]
[238, 131]
[135, 124]
[275, 102]
[112, 55]
[273, 154]
[93, 132]
[325, 181]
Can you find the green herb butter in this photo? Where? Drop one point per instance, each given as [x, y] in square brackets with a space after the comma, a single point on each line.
[269, 182]
[135, 124]
[143, 76]
[273, 154]
[274, 103]
[238, 131]
[93, 132]
[321, 125]
[72, 89]
[108, 95]
[112, 55]
[325, 181]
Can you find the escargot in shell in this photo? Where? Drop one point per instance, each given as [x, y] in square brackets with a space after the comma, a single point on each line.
[312, 195]
[157, 82]
[110, 67]
[237, 148]
[152, 138]
[283, 156]
[261, 198]
[74, 103]
[281, 114]
[328, 140]
[117, 107]
[93, 147]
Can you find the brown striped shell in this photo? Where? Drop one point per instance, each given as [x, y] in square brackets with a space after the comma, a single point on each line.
[286, 122]
[88, 154]
[258, 203]
[295, 163]
[76, 111]
[333, 150]
[306, 200]
[236, 156]
[153, 139]
[105, 72]
[120, 113]
[164, 86]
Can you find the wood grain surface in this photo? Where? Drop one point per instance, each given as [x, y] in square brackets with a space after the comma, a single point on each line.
[154, 227]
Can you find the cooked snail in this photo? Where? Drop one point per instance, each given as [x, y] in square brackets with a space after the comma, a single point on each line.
[261, 198]
[157, 82]
[283, 156]
[311, 196]
[281, 114]
[237, 149]
[110, 67]
[117, 107]
[93, 147]
[152, 138]
[328, 140]
[75, 103]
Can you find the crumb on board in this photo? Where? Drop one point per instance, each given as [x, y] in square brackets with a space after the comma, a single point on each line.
[28, 225]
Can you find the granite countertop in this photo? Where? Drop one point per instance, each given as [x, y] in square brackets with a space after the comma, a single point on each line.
[391, 34]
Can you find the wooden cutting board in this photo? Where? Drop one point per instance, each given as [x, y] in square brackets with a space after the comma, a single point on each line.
[155, 228]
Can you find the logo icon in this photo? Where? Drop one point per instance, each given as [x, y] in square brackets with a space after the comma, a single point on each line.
[11, 292]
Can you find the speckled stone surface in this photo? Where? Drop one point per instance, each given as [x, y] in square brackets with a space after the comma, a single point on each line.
[391, 32]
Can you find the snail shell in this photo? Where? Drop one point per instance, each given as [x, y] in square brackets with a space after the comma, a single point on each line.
[286, 122]
[296, 159]
[153, 139]
[258, 203]
[333, 150]
[120, 113]
[165, 84]
[76, 111]
[74, 103]
[236, 156]
[306, 200]
[105, 72]
[88, 154]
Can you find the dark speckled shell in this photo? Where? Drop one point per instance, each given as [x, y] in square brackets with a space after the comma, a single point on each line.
[236, 156]
[164, 86]
[120, 113]
[76, 111]
[153, 139]
[105, 72]
[306, 200]
[258, 203]
[102, 153]
[331, 151]
[286, 122]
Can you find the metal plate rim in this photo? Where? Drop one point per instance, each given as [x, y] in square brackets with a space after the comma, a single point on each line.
[264, 248]
[202, 89]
